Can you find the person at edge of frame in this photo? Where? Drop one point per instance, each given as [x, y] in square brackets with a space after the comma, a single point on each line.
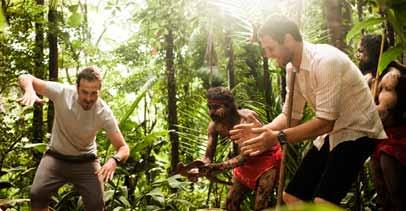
[388, 162]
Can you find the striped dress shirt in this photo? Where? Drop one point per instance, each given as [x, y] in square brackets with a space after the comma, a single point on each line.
[333, 86]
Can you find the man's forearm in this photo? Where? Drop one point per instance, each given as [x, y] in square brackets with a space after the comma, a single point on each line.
[231, 163]
[123, 152]
[309, 129]
[281, 122]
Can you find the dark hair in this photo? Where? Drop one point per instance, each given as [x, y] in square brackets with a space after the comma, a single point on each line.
[89, 74]
[223, 94]
[278, 26]
[372, 46]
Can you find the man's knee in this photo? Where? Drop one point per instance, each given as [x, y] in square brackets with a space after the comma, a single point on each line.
[290, 199]
[95, 203]
[39, 198]
[97, 206]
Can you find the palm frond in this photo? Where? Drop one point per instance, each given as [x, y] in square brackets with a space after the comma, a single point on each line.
[140, 95]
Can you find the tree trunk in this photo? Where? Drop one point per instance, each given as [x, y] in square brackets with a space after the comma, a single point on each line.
[360, 9]
[86, 35]
[4, 10]
[338, 17]
[230, 64]
[171, 88]
[210, 55]
[230, 73]
[53, 55]
[37, 125]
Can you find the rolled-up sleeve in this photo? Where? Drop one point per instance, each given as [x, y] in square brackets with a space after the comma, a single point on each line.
[328, 88]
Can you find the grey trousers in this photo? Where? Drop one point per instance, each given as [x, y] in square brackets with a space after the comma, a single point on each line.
[52, 173]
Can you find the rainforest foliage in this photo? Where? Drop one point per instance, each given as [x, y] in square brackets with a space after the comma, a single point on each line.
[158, 58]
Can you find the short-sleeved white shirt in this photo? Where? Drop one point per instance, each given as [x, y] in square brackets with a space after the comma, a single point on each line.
[334, 88]
[74, 129]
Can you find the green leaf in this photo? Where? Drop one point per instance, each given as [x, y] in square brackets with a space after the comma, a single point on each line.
[53, 4]
[12, 202]
[357, 28]
[40, 147]
[75, 20]
[388, 56]
[148, 140]
[157, 195]
[174, 183]
[312, 207]
[76, 44]
[124, 200]
[108, 195]
[141, 94]
[73, 8]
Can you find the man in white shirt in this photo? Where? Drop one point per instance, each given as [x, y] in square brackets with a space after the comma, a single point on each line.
[72, 154]
[346, 122]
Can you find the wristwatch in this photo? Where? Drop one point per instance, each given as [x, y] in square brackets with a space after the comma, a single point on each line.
[282, 138]
[117, 159]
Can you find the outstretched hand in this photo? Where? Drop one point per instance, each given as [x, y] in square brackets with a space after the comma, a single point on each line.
[242, 132]
[29, 98]
[253, 140]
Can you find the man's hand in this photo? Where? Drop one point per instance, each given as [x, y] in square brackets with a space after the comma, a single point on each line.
[249, 116]
[106, 172]
[253, 141]
[243, 132]
[29, 98]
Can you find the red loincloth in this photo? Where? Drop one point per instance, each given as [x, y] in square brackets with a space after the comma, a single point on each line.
[394, 145]
[254, 167]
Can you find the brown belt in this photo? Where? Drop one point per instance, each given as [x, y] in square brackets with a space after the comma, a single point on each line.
[88, 157]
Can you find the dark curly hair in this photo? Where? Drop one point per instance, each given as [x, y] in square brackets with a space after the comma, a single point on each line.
[223, 94]
[371, 45]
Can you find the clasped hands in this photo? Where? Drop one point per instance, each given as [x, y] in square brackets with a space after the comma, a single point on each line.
[253, 139]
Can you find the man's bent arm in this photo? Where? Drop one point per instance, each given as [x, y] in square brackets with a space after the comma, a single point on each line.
[31, 86]
[388, 98]
[117, 140]
[211, 143]
[309, 129]
[123, 151]
[31, 83]
[281, 122]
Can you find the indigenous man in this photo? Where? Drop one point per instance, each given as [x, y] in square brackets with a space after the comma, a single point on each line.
[257, 173]
[389, 160]
[71, 157]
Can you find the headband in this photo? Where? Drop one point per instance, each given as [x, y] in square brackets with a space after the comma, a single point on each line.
[216, 101]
